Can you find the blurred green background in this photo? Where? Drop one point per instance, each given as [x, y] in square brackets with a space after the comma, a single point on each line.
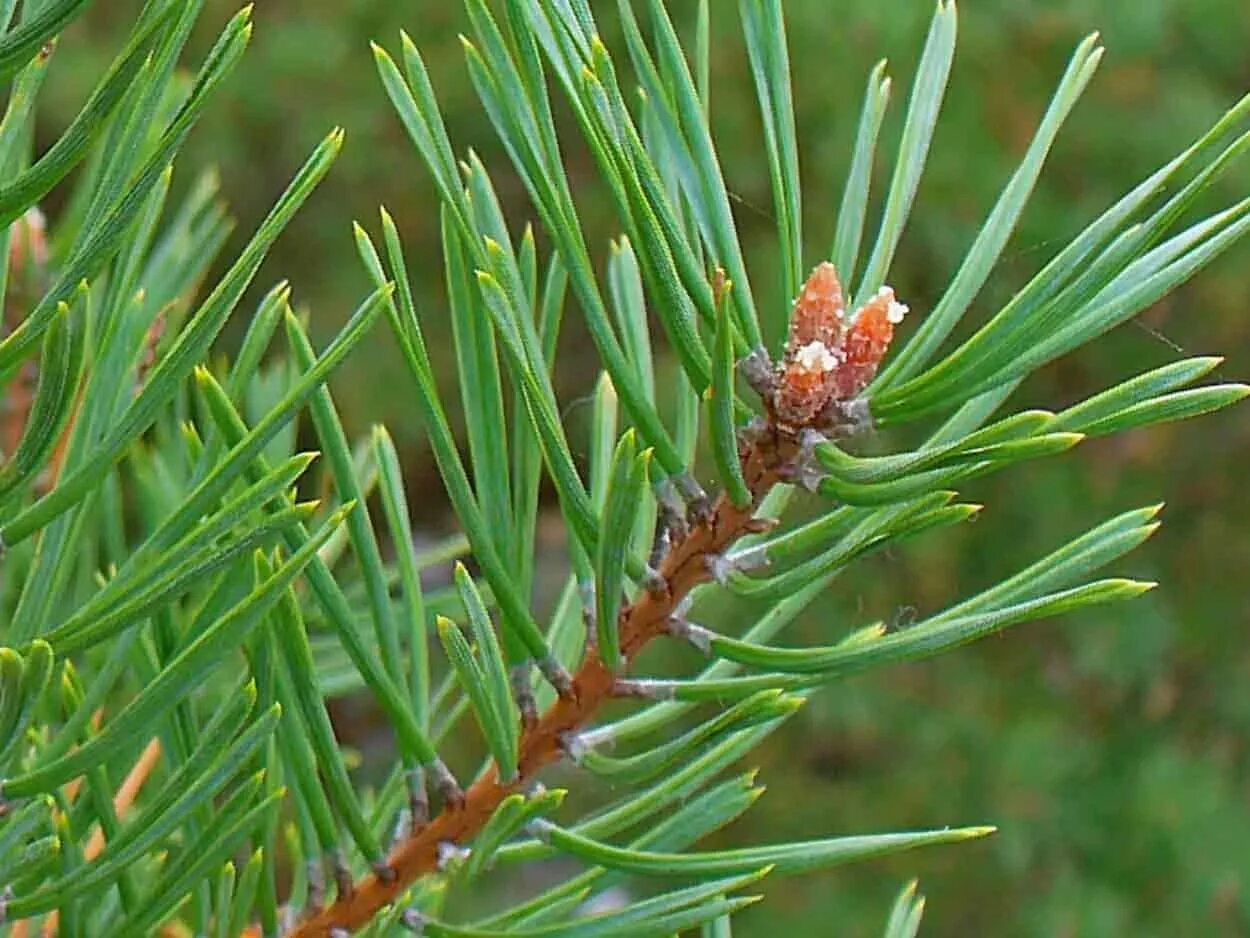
[1110, 749]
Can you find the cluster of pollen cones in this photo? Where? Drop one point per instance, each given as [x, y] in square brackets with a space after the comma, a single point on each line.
[831, 353]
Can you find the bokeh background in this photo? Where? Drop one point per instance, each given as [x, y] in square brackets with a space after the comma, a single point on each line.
[1110, 748]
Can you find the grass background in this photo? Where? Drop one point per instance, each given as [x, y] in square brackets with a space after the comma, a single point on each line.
[1110, 748]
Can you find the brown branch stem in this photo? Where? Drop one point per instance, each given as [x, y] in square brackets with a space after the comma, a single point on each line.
[684, 567]
[124, 800]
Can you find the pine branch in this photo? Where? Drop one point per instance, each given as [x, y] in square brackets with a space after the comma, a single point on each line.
[158, 558]
[688, 563]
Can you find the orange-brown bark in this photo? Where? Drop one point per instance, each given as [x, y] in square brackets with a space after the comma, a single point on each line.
[684, 568]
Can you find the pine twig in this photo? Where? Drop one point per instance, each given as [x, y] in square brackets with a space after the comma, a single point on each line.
[686, 565]
[828, 362]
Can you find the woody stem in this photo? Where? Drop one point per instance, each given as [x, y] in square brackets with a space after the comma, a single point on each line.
[684, 567]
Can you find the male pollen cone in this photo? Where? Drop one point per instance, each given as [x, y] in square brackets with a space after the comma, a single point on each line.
[867, 341]
[830, 356]
[817, 324]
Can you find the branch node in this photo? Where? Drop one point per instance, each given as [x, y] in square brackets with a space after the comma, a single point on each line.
[540, 829]
[723, 566]
[696, 635]
[699, 505]
[672, 508]
[384, 872]
[843, 419]
[661, 543]
[557, 677]
[573, 746]
[757, 369]
[413, 920]
[523, 694]
[654, 582]
[418, 800]
[809, 439]
[702, 511]
[316, 883]
[344, 886]
[445, 784]
[586, 596]
[804, 470]
[683, 606]
[646, 689]
[450, 852]
[402, 828]
[720, 566]
[750, 558]
[755, 432]
[599, 737]
[761, 525]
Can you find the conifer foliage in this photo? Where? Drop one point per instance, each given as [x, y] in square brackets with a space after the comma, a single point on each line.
[176, 620]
